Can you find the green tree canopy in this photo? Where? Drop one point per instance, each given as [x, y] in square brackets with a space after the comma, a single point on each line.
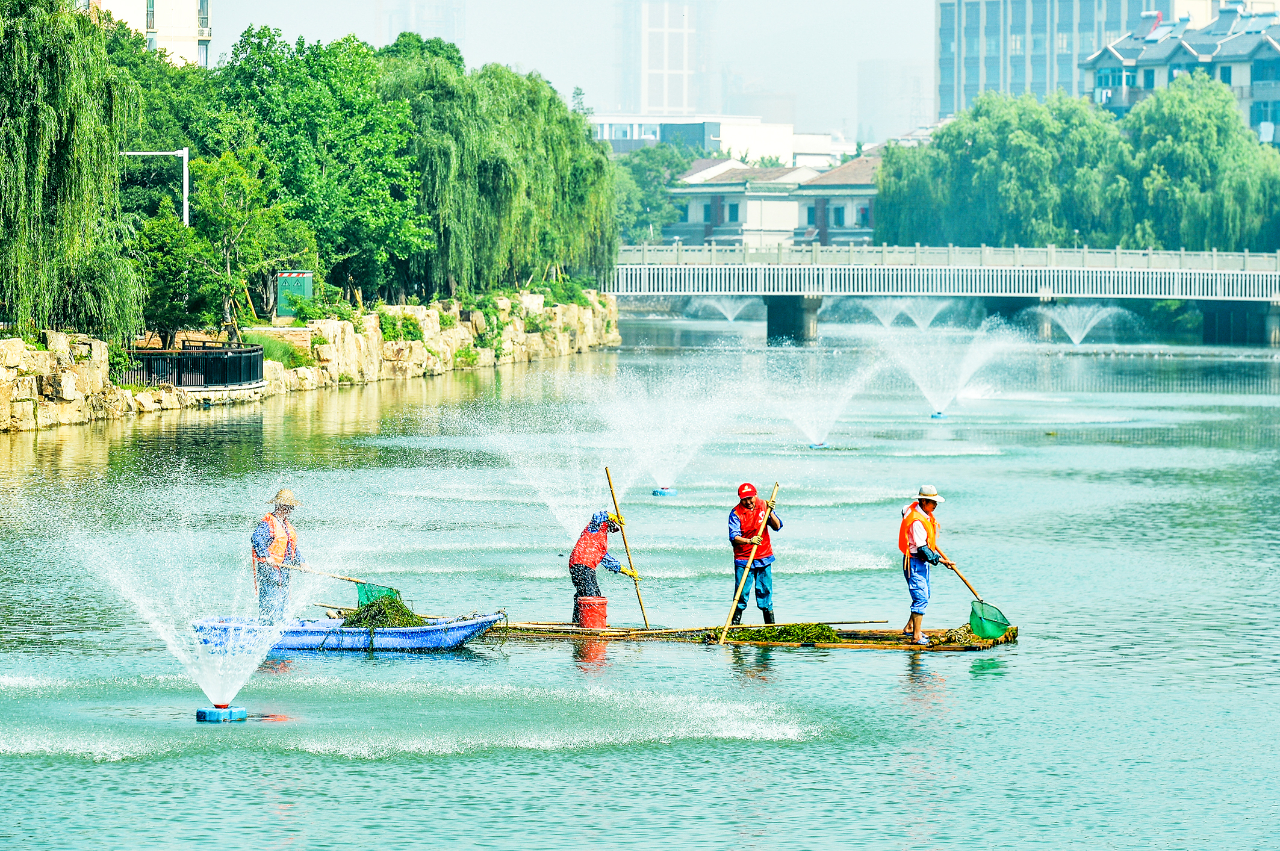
[63, 110]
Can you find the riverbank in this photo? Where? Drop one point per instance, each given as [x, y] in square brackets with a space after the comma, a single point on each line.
[66, 379]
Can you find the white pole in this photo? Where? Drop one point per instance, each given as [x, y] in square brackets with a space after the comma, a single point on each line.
[186, 187]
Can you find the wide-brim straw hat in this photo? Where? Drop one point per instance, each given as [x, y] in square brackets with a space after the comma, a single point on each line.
[285, 497]
[929, 492]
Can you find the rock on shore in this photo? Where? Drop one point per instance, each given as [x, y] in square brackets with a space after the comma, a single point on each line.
[68, 382]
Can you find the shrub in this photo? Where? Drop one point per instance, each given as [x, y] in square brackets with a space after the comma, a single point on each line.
[276, 349]
[398, 327]
[447, 321]
[535, 323]
[467, 356]
[325, 303]
[345, 378]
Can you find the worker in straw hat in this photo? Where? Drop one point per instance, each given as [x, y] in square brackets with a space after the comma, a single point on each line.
[918, 542]
[275, 546]
[747, 529]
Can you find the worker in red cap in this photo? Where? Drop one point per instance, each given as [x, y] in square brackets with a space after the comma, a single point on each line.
[746, 530]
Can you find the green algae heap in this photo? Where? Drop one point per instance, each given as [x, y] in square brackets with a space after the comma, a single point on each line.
[803, 633]
[382, 613]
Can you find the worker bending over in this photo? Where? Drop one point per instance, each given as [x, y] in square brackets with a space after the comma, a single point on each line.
[918, 542]
[592, 551]
[747, 529]
[275, 547]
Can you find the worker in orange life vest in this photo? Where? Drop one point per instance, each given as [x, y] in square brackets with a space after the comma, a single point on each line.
[918, 542]
[592, 551]
[275, 547]
[746, 530]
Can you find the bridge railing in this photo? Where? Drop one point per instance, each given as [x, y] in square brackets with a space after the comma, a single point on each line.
[1049, 257]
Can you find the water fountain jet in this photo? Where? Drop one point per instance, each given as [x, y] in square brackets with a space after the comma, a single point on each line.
[885, 309]
[940, 365]
[924, 310]
[1077, 320]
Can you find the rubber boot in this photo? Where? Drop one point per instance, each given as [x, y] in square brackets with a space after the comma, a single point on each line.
[768, 615]
[737, 618]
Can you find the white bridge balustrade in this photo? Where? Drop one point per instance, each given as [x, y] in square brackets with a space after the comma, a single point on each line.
[794, 279]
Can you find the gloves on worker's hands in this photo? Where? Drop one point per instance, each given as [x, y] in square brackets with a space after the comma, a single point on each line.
[626, 571]
[770, 502]
[617, 518]
[757, 540]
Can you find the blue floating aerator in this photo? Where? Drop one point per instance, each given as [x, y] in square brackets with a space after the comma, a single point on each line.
[818, 446]
[938, 416]
[216, 714]
[665, 492]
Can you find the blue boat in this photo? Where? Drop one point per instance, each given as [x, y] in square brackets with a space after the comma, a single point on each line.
[227, 636]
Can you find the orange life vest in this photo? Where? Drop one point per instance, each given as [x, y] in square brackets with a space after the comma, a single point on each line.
[284, 538]
[914, 513]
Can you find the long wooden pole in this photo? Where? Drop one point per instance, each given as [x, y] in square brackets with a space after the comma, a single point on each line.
[636, 577]
[951, 564]
[764, 530]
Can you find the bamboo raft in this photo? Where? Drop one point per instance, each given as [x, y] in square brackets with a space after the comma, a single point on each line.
[852, 639]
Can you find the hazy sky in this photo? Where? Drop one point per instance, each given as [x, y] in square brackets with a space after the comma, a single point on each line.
[812, 53]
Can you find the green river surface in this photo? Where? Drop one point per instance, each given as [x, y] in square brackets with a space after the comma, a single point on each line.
[1116, 503]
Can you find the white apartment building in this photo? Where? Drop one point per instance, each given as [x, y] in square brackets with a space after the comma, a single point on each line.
[179, 27]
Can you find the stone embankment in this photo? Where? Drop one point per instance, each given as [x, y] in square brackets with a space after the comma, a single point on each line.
[67, 382]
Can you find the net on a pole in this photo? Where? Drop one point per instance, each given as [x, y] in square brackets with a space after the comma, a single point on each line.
[367, 592]
[987, 621]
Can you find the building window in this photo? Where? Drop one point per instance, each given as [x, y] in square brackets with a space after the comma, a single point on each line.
[864, 217]
[1086, 43]
[1224, 74]
[202, 54]
[202, 15]
[1015, 44]
[706, 212]
[733, 212]
[1037, 45]
[683, 210]
[1110, 36]
[151, 41]
[1149, 78]
[1264, 110]
[811, 215]
[1113, 78]
[1266, 70]
[993, 45]
[151, 14]
[970, 45]
[1064, 42]
[838, 215]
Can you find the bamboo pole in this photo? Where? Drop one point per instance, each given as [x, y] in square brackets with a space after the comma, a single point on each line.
[636, 577]
[764, 529]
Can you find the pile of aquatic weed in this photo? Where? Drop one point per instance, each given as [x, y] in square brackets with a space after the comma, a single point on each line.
[382, 613]
[960, 635]
[803, 633]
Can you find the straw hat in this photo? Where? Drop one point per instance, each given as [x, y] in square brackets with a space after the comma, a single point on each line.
[285, 497]
[926, 492]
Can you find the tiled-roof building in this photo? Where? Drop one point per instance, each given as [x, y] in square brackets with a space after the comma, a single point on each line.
[837, 208]
[1238, 48]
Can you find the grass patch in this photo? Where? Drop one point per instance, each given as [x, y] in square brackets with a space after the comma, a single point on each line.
[467, 356]
[282, 351]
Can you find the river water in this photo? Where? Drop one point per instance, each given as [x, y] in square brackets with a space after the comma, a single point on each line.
[1117, 505]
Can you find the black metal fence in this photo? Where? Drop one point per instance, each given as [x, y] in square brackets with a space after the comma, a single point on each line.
[193, 367]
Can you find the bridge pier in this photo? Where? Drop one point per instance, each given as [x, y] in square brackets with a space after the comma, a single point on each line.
[793, 317]
[1240, 323]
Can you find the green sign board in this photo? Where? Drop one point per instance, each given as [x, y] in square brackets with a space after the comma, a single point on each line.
[297, 282]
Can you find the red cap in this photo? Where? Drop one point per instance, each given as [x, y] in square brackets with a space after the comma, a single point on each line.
[746, 490]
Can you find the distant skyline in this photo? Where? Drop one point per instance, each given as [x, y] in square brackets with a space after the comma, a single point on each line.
[761, 55]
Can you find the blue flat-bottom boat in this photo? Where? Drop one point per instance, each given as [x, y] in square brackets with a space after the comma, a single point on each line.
[229, 635]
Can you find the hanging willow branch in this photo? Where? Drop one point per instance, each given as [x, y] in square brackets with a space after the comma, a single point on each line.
[63, 109]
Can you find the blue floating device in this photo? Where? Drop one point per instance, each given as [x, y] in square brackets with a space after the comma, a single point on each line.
[217, 714]
[938, 416]
[665, 492]
[817, 446]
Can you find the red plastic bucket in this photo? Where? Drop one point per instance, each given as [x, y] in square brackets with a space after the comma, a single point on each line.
[593, 612]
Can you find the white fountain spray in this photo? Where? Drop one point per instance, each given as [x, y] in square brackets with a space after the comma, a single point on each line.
[813, 389]
[941, 365]
[729, 306]
[1077, 320]
[885, 309]
[924, 310]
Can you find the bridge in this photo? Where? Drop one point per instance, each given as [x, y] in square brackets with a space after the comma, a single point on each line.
[1236, 291]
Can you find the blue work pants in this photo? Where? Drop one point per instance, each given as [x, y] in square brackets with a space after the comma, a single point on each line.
[918, 584]
[762, 577]
[273, 592]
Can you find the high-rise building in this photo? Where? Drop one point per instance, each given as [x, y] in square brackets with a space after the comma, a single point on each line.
[661, 53]
[180, 27]
[1035, 46]
[444, 19]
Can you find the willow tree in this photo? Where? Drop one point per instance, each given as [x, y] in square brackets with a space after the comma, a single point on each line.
[63, 109]
[509, 178]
